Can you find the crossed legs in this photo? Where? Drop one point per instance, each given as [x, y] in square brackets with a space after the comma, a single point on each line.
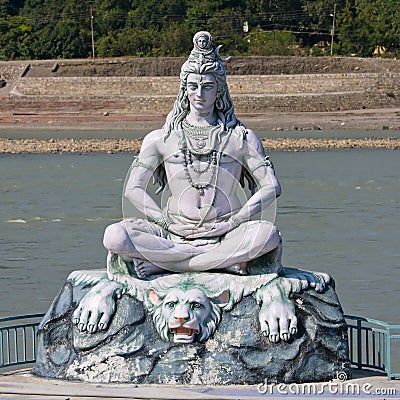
[152, 252]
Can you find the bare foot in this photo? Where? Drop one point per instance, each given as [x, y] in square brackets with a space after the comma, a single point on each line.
[145, 268]
[238, 269]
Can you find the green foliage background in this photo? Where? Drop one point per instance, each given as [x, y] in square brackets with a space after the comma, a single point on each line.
[49, 29]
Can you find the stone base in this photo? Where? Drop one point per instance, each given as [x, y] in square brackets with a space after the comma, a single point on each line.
[131, 349]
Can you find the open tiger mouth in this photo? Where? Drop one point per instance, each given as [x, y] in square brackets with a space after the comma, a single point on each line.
[181, 330]
[182, 334]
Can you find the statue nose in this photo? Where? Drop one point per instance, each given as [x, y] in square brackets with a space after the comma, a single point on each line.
[199, 91]
[181, 314]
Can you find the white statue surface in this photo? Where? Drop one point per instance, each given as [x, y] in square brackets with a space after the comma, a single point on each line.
[204, 155]
[199, 251]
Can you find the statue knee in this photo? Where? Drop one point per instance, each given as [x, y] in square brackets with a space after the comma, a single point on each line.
[271, 233]
[115, 238]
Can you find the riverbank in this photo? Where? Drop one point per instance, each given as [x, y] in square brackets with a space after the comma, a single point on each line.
[82, 146]
[364, 119]
[269, 93]
[294, 124]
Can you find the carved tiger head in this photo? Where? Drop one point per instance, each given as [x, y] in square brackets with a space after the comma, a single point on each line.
[186, 315]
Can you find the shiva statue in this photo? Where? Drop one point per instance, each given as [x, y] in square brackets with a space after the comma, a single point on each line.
[202, 159]
[204, 154]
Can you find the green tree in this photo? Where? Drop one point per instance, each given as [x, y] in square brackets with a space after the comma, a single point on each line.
[10, 7]
[132, 42]
[386, 22]
[175, 40]
[14, 38]
[263, 43]
[62, 28]
[355, 28]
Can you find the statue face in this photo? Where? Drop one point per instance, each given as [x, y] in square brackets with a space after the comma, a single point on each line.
[202, 42]
[202, 92]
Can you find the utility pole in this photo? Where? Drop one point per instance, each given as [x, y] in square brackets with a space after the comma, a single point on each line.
[333, 27]
[91, 27]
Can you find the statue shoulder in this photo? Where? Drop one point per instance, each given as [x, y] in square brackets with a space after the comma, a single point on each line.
[154, 136]
[150, 147]
[254, 141]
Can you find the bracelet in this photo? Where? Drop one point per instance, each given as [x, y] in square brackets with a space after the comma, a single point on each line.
[163, 222]
[236, 221]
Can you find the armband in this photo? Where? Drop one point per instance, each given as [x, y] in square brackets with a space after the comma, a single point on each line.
[267, 162]
[137, 163]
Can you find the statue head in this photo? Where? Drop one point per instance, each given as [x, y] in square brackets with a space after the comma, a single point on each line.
[203, 60]
[202, 40]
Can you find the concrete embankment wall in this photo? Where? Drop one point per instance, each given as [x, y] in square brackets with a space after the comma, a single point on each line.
[251, 93]
[84, 84]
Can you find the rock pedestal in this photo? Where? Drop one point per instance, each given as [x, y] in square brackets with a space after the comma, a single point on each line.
[132, 350]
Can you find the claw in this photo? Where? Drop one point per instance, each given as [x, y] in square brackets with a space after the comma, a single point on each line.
[285, 336]
[274, 337]
[82, 327]
[293, 330]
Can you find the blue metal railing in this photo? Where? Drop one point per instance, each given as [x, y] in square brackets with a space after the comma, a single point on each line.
[372, 344]
[18, 339]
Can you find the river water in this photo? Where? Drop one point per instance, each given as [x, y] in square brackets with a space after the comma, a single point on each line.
[339, 213]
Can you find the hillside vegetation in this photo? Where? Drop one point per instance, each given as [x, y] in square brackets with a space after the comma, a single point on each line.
[54, 29]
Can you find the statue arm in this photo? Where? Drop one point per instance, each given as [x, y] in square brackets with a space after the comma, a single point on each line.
[262, 171]
[254, 160]
[140, 174]
[256, 150]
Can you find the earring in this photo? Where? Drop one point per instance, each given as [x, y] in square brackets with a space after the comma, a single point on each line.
[185, 103]
[219, 104]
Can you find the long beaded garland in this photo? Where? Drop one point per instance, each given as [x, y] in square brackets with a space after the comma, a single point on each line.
[212, 166]
[210, 158]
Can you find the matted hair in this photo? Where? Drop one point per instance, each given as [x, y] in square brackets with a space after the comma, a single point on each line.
[203, 63]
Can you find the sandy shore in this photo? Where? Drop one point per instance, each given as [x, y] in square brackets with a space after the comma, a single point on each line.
[345, 121]
[368, 119]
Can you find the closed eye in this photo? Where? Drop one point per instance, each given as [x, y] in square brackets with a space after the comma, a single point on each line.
[192, 86]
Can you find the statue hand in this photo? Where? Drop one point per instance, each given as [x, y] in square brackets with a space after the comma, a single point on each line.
[186, 231]
[211, 230]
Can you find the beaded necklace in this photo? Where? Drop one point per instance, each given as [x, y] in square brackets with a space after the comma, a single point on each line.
[200, 141]
[212, 165]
